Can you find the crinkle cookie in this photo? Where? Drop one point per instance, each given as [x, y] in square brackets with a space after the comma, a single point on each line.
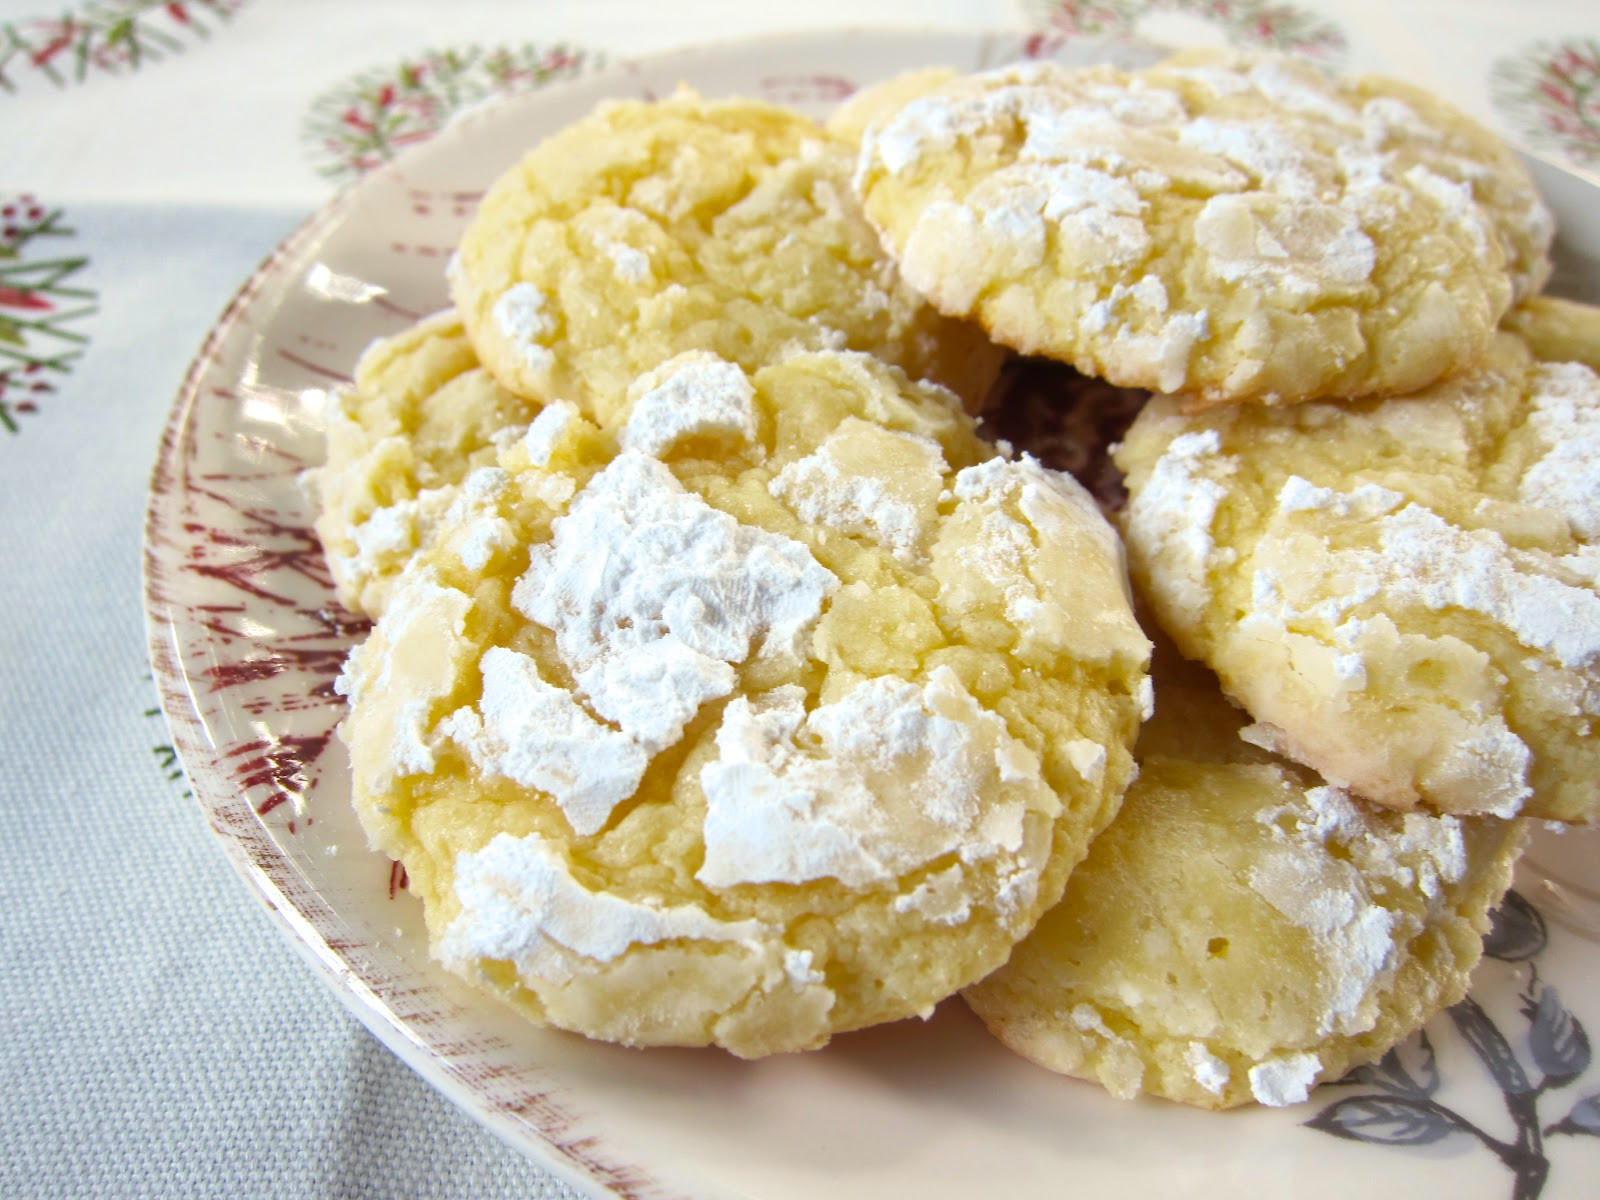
[645, 230]
[770, 721]
[1242, 931]
[1227, 227]
[1404, 593]
[420, 417]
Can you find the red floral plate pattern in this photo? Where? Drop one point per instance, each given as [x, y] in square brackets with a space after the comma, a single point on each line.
[246, 641]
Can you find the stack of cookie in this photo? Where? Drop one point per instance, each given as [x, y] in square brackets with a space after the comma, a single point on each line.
[726, 687]
[722, 687]
[1369, 512]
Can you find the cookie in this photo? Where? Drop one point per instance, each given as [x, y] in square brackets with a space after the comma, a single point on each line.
[420, 417]
[766, 720]
[1226, 227]
[1242, 931]
[646, 230]
[1405, 593]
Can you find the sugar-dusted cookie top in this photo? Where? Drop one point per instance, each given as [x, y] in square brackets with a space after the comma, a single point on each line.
[1404, 593]
[1242, 931]
[645, 230]
[1223, 226]
[767, 720]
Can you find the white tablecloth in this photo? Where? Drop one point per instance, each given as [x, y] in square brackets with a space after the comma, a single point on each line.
[157, 1037]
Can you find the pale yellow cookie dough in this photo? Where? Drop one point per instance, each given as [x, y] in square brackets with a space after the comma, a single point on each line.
[1242, 931]
[645, 230]
[1405, 593]
[1228, 227]
[1558, 330]
[771, 719]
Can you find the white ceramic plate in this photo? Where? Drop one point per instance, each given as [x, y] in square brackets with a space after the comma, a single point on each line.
[1500, 1099]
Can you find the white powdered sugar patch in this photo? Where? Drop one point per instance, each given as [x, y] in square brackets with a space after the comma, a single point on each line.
[1265, 149]
[1171, 516]
[887, 778]
[1209, 1071]
[1146, 695]
[1368, 502]
[1303, 247]
[385, 537]
[631, 264]
[870, 482]
[1098, 217]
[392, 682]
[1387, 119]
[695, 394]
[1020, 527]
[481, 540]
[1424, 561]
[522, 317]
[1328, 869]
[1136, 326]
[1566, 415]
[484, 533]
[941, 898]
[535, 734]
[1301, 91]
[1088, 759]
[522, 313]
[924, 126]
[797, 965]
[520, 903]
[654, 595]
[1280, 1082]
[1457, 201]
[548, 430]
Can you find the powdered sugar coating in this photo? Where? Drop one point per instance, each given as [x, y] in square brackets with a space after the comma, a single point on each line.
[1309, 237]
[520, 901]
[536, 734]
[864, 789]
[396, 694]
[685, 592]
[695, 394]
[1284, 1081]
[842, 486]
[547, 430]
[1567, 478]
